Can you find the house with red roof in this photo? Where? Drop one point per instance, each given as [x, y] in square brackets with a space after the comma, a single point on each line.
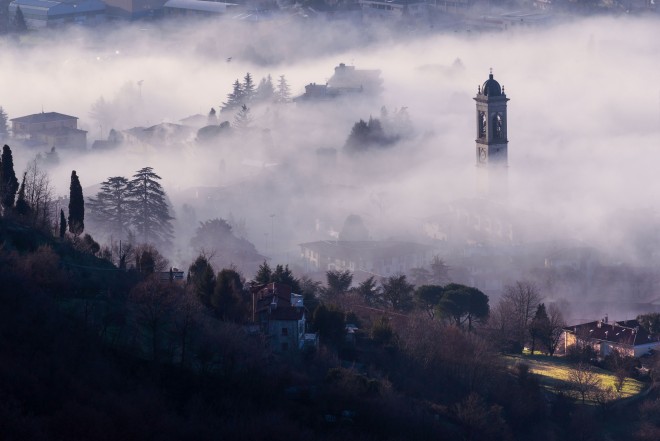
[627, 337]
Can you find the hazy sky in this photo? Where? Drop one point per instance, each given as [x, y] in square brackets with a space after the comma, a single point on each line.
[584, 117]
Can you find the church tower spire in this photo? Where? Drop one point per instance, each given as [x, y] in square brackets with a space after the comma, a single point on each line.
[492, 141]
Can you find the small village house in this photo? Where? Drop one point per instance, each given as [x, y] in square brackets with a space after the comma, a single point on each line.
[626, 337]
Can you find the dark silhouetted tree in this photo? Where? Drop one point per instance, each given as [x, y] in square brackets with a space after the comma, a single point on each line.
[228, 301]
[22, 207]
[428, 297]
[264, 274]
[329, 323]
[201, 280]
[518, 306]
[76, 206]
[397, 292]
[8, 182]
[110, 209]
[461, 304]
[370, 292]
[367, 135]
[235, 99]
[248, 88]
[283, 274]
[539, 326]
[338, 282]
[62, 224]
[150, 214]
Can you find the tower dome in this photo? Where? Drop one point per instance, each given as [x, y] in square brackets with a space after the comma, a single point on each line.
[491, 87]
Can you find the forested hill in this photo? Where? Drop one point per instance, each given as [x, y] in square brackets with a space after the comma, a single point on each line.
[63, 377]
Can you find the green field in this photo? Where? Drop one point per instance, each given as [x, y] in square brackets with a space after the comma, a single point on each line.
[554, 373]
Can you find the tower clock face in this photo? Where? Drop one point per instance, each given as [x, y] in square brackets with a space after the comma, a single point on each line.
[482, 154]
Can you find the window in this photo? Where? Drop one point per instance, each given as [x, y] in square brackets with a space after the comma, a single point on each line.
[285, 331]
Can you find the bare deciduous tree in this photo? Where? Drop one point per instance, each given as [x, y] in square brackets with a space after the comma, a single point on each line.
[584, 381]
[518, 305]
[39, 196]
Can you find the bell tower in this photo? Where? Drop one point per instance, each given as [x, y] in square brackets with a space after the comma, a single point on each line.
[492, 142]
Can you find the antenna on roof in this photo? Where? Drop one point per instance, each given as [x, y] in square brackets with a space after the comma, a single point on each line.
[42, 108]
[491, 71]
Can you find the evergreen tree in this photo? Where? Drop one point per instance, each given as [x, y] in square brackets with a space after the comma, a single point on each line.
[19, 23]
[227, 299]
[9, 183]
[202, 280]
[283, 93]
[265, 90]
[264, 274]
[4, 124]
[243, 119]
[62, 224]
[248, 88]
[234, 99]
[283, 274]
[110, 207]
[397, 292]
[538, 328]
[148, 208]
[338, 282]
[76, 206]
[22, 207]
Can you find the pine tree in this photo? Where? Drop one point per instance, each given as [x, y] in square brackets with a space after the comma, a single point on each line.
[264, 273]
[149, 212]
[76, 206]
[243, 119]
[234, 99]
[248, 88]
[265, 90]
[283, 93]
[110, 207]
[62, 224]
[22, 207]
[9, 183]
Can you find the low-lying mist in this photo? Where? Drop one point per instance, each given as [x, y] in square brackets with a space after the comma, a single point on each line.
[584, 124]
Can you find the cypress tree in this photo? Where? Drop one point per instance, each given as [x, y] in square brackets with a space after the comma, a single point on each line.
[9, 183]
[22, 207]
[62, 224]
[76, 206]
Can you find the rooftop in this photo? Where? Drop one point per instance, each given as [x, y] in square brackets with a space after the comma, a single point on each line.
[42, 117]
[624, 332]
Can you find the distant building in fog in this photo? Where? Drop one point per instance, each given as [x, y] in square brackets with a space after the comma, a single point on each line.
[196, 8]
[48, 13]
[346, 81]
[50, 129]
[133, 8]
[492, 141]
[382, 258]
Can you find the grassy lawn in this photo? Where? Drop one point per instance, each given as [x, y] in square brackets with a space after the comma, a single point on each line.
[554, 372]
